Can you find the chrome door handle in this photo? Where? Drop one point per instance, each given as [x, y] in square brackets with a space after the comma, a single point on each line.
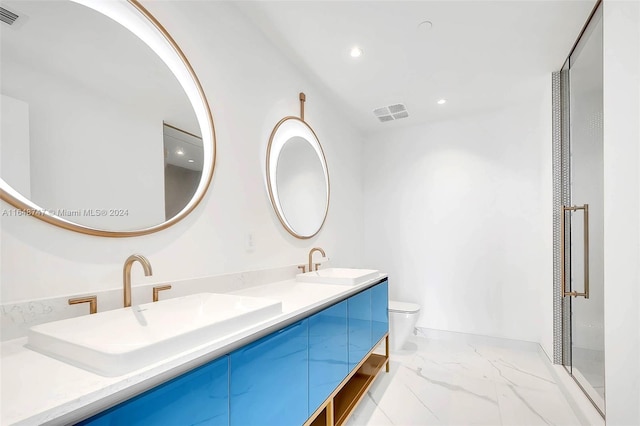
[585, 294]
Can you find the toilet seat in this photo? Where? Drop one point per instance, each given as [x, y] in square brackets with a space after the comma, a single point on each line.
[403, 307]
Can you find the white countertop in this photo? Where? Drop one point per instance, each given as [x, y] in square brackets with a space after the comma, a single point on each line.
[38, 389]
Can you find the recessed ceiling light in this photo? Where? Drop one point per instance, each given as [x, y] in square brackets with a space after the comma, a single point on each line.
[442, 101]
[191, 161]
[180, 152]
[356, 52]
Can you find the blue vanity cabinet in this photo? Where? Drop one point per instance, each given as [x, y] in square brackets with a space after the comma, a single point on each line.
[328, 353]
[199, 397]
[269, 379]
[379, 311]
[359, 323]
[280, 379]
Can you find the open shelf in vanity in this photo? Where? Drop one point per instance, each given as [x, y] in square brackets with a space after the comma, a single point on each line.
[337, 409]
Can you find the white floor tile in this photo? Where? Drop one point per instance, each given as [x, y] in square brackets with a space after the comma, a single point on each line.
[521, 406]
[448, 382]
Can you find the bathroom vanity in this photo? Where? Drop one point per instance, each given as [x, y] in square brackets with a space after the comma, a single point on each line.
[310, 364]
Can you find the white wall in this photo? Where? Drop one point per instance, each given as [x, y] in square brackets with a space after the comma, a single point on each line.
[250, 86]
[459, 213]
[622, 211]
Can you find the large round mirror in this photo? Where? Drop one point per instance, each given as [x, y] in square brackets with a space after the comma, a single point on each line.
[105, 127]
[297, 177]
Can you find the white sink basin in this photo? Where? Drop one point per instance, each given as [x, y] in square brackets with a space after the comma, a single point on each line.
[339, 276]
[116, 342]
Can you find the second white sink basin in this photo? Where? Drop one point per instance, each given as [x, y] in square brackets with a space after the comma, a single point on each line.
[116, 342]
[339, 276]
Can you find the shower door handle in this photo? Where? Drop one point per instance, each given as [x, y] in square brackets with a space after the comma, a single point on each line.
[585, 209]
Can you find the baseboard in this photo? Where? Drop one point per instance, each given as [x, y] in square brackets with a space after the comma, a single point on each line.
[454, 336]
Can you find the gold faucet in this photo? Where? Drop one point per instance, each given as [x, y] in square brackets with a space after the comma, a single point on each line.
[91, 300]
[313, 250]
[126, 274]
[158, 289]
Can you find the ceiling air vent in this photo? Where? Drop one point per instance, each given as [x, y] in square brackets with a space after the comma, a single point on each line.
[7, 16]
[391, 112]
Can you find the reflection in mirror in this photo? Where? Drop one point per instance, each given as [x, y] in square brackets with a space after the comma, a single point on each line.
[301, 186]
[84, 107]
[183, 160]
[297, 178]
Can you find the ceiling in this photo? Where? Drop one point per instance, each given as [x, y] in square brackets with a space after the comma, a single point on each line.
[478, 55]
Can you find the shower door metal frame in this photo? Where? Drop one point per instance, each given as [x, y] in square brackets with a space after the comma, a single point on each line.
[561, 161]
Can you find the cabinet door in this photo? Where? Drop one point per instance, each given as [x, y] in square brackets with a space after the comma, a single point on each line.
[328, 353]
[359, 321]
[199, 397]
[269, 381]
[379, 311]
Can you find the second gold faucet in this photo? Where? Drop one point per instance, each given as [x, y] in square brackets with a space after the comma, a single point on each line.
[313, 250]
[126, 274]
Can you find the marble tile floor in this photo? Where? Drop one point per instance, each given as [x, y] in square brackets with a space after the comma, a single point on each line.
[448, 382]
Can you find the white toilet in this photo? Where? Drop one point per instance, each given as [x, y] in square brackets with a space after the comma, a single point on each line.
[402, 321]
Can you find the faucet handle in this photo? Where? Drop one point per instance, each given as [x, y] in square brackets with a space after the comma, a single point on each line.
[303, 268]
[317, 266]
[158, 289]
[91, 300]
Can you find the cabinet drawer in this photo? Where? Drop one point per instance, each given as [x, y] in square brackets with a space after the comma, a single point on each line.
[199, 397]
[379, 311]
[269, 383]
[359, 320]
[328, 353]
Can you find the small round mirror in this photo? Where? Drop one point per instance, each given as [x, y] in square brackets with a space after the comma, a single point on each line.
[297, 178]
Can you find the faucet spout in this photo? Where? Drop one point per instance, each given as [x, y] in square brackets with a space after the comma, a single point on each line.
[126, 274]
[313, 250]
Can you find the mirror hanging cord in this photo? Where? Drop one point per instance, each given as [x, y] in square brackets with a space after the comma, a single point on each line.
[303, 98]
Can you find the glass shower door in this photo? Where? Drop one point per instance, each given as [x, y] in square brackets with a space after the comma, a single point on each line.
[584, 217]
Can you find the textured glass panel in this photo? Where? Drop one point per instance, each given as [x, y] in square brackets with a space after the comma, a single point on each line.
[566, 201]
